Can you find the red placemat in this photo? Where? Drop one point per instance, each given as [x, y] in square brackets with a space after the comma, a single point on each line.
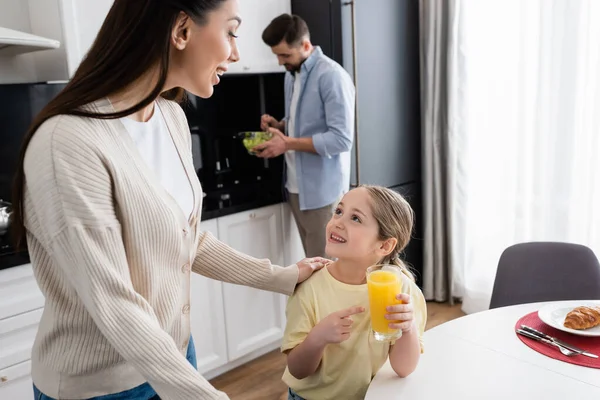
[591, 344]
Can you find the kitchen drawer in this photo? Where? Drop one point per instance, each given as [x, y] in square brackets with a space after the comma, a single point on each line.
[19, 292]
[16, 337]
[16, 383]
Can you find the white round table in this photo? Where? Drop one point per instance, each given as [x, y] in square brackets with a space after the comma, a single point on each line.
[479, 356]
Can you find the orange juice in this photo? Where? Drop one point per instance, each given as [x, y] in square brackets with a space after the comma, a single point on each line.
[383, 286]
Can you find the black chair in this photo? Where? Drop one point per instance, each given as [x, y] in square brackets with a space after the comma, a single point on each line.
[545, 271]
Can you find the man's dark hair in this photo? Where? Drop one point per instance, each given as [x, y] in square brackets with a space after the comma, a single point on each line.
[290, 28]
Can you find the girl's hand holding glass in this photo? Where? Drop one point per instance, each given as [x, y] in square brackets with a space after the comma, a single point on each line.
[401, 316]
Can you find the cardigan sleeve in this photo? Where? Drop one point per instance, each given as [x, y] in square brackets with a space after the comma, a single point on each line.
[214, 259]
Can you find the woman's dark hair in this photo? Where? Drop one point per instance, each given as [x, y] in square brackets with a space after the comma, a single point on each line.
[290, 28]
[134, 38]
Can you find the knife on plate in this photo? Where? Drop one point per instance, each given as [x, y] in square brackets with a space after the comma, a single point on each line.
[560, 342]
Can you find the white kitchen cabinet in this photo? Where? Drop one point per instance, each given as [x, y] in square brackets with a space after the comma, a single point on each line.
[17, 335]
[16, 383]
[19, 291]
[14, 14]
[253, 318]
[21, 305]
[255, 55]
[293, 249]
[16, 340]
[207, 316]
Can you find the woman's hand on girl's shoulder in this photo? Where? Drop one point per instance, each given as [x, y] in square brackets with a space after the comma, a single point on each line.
[307, 266]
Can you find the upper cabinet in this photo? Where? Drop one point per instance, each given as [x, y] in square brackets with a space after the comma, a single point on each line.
[75, 23]
[20, 44]
[14, 42]
[63, 30]
[255, 55]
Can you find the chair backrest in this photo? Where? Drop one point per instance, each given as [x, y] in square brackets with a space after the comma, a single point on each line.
[546, 271]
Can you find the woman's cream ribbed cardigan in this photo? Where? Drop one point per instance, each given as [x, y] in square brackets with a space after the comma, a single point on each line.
[112, 254]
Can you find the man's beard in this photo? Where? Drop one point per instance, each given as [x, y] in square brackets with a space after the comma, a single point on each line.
[292, 68]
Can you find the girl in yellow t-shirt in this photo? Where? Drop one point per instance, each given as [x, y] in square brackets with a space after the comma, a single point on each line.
[331, 351]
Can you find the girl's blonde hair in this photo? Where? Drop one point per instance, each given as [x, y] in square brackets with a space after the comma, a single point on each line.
[395, 218]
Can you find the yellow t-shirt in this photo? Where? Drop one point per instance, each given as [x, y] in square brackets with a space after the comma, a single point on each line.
[346, 369]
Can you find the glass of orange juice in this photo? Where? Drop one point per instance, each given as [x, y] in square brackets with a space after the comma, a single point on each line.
[384, 282]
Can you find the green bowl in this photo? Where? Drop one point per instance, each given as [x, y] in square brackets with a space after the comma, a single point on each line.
[251, 139]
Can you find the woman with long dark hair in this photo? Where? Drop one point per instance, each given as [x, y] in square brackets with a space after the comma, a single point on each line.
[108, 201]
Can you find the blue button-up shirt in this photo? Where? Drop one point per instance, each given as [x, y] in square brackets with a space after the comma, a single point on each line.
[326, 113]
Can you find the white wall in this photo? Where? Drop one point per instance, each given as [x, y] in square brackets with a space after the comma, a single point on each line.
[80, 26]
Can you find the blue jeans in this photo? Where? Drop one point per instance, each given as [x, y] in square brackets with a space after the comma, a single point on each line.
[293, 396]
[142, 392]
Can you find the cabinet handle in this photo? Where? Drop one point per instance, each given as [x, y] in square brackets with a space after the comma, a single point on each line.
[252, 216]
[3, 379]
[246, 68]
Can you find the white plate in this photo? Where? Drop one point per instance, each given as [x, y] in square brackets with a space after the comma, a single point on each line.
[554, 315]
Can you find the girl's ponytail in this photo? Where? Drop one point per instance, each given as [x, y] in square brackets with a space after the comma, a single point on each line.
[394, 259]
[395, 219]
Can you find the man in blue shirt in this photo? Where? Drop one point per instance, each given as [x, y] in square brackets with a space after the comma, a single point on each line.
[317, 132]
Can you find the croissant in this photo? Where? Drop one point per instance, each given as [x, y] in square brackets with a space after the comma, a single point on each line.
[583, 318]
